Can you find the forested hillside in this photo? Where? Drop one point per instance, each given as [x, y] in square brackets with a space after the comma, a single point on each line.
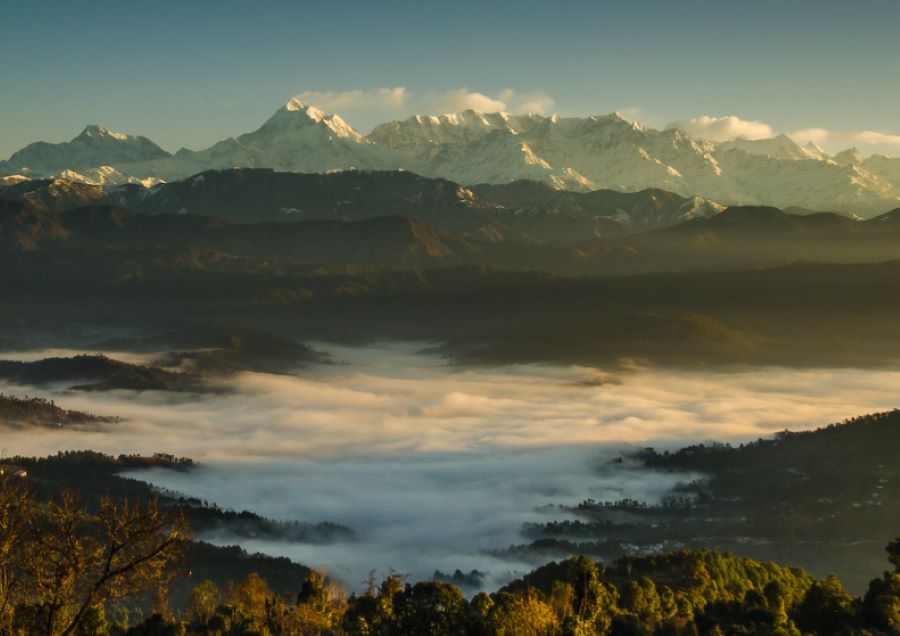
[68, 569]
[825, 499]
[804, 487]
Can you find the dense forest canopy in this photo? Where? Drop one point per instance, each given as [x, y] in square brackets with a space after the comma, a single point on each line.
[70, 570]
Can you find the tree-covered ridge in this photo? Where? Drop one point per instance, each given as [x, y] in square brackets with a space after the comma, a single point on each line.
[841, 480]
[186, 359]
[686, 591]
[824, 499]
[99, 373]
[69, 570]
[683, 593]
[34, 410]
[97, 475]
[795, 316]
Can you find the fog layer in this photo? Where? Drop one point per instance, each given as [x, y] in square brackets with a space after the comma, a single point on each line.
[432, 465]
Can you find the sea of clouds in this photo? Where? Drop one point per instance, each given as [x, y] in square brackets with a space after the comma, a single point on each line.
[433, 465]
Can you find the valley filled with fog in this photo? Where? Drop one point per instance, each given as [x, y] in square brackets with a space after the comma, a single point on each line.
[433, 466]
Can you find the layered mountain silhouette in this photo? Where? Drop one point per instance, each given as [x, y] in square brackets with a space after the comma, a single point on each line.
[402, 220]
[529, 212]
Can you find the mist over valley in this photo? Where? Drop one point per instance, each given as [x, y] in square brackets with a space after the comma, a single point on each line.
[571, 319]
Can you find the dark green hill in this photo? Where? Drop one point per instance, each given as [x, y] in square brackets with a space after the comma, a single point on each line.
[761, 223]
[889, 220]
[389, 240]
[94, 475]
[24, 227]
[823, 499]
[15, 411]
[256, 195]
[617, 212]
[99, 373]
[751, 237]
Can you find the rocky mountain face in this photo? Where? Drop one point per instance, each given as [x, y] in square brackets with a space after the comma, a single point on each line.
[297, 138]
[55, 195]
[470, 148]
[610, 152]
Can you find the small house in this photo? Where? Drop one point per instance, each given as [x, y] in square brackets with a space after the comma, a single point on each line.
[13, 471]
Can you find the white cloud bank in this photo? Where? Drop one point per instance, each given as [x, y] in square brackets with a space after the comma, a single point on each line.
[866, 139]
[341, 101]
[375, 106]
[431, 466]
[724, 128]
[730, 127]
[370, 107]
[388, 400]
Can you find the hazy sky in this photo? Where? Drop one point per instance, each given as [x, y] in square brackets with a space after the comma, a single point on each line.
[193, 73]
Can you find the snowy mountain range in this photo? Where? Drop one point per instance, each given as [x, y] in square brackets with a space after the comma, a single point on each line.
[568, 153]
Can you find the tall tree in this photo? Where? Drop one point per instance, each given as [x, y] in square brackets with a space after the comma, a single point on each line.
[15, 507]
[70, 561]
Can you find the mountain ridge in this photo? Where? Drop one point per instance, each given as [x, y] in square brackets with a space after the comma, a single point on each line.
[471, 147]
[528, 212]
[735, 238]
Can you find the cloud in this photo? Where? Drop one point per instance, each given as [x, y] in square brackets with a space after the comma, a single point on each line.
[632, 114]
[461, 99]
[430, 465]
[724, 128]
[388, 399]
[870, 140]
[731, 127]
[394, 98]
[506, 100]
[537, 102]
[366, 108]
[416, 512]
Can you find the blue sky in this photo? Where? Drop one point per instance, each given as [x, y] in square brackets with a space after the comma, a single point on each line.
[191, 73]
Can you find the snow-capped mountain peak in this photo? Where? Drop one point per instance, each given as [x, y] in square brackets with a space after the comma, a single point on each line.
[298, 137]
[93, 131]
[296, 115]
[472, 147]
[609, 151]
[92, 148]
[778, 147]
[294, 104]
[849, 157]
[814, 151]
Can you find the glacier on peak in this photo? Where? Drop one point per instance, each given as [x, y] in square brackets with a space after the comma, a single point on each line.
[294, 104]
[92, 131]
